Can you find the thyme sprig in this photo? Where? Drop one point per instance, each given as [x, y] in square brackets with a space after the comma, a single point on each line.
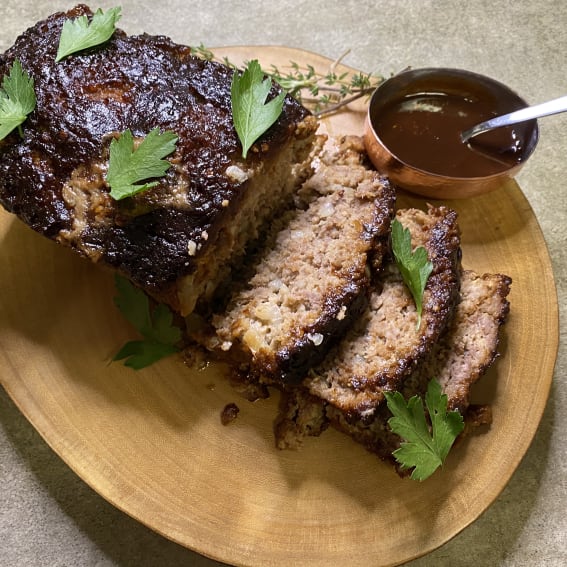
[323, 92]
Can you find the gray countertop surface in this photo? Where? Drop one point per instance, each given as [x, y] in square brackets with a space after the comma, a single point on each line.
[48, 516]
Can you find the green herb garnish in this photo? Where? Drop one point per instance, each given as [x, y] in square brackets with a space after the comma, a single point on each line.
[324, 92]
[414, 266]
[128, 166]
[161, 336]
[17, 99]
[251, 114]
[78, 34]
[423, 447]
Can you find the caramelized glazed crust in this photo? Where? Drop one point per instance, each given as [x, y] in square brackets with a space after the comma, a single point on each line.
[53, 178]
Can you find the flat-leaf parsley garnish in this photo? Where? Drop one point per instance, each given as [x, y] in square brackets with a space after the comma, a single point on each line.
[79, 34]
[17, 99]
[424, 448]
[128, 165]
[160, 335]
[252, 115]
[414, 266]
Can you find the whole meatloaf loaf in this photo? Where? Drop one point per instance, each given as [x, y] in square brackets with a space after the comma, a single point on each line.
[385, 343]
[311, 279]
[178, 239]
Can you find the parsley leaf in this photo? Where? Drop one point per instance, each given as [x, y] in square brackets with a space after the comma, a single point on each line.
[160, 335]
[79, 34]
[414, 266]
[423, 449]
[17, 99]
[251, 115]
[128, 166]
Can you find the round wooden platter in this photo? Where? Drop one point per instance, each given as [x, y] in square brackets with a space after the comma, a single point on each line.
[152, 443]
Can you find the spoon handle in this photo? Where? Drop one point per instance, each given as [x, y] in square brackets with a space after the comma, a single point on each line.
[554, 106]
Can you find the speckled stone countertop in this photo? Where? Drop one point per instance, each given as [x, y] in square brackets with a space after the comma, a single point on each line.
[50, 517]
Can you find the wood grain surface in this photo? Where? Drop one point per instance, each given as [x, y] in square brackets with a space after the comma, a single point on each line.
[152, 442]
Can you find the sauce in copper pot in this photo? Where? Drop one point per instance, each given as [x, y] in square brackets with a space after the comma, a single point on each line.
[423, 130]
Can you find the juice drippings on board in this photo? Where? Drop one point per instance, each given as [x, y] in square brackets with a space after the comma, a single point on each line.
[423, 130]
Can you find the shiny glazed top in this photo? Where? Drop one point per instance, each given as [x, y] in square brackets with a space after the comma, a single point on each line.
[137, 82]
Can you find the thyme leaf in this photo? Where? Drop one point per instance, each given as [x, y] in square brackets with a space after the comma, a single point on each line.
[323, 92]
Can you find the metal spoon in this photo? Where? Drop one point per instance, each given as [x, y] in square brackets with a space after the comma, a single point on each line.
[554, 106]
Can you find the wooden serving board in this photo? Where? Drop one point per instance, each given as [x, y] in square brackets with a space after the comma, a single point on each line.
[152, 442]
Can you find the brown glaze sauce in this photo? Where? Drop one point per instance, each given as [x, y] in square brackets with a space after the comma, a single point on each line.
[423, 131]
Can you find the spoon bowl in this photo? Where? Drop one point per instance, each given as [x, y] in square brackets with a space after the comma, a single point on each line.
[417, 103]
[548, 108]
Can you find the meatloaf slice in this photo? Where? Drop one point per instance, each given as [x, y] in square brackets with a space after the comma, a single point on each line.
[178, 239]
[313, 276]
[463, 354]
[384, 344]
[470, 345]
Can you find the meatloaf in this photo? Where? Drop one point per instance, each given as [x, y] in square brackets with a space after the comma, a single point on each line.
[312, 277]
[465, 351]
[385, 343]
[177, 240]
[463, 354]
